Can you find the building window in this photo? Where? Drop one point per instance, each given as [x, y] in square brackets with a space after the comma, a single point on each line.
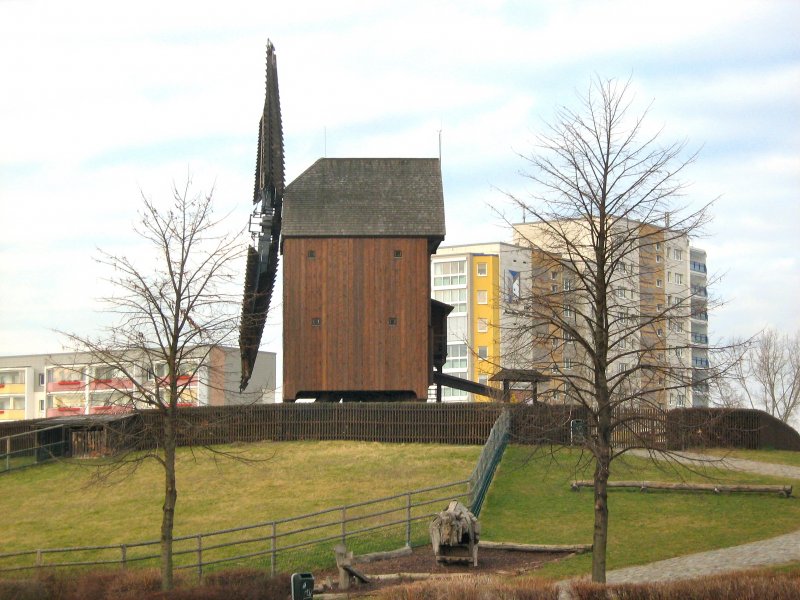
[554, 288]
[483, 352]
[450, 273]
[482, 269]
[553, 274]
[457, 298]
[312, 254]
[660, 332]
[569, 313]
[398, 254]
[483, 325]
[567, 285]
[679, 352]
[567, 363]
[41, 378]
[623, 344]
[658, 258]
[392, 321]
[456, 357]
[679, 278]
[483, 297]
[622, 293]
[316, 322]
[621, 367]
[669, 276]
[677, 254]
[658, 245]
[659, 282]
[483, 379]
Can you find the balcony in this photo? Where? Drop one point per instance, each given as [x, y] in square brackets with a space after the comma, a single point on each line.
[66, 385]
[700, 290]
[12, 388]
[697, 267]
[12, 414]
[700, 363]
[111, 384]
[699, 338]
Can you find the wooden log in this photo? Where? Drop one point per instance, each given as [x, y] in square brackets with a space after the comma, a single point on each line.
[356, 573]
[343, 560]
[576, 548]
[717, 488]
[373, 556]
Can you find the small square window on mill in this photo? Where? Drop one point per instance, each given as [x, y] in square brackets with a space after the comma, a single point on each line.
[316, 322]
[398, 254]
[312, 254]
[392, 321]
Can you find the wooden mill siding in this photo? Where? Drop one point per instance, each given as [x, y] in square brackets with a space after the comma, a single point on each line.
[354, 286]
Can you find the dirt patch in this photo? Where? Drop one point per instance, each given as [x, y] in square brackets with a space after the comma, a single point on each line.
[421, 560]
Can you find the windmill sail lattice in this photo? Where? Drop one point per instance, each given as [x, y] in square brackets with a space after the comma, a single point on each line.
[265, 223]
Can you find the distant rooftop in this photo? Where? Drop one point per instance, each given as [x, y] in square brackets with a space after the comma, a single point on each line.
[364, 197]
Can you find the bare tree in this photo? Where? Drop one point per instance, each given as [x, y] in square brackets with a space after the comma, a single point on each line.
[768, 375]
[607, 308]
[172, 312]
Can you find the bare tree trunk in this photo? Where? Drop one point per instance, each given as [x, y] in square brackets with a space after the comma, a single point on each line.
[170, 499]
[602, 471]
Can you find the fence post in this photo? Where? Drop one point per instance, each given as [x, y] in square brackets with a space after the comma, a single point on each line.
[200, 557]
[123, 550]
[273, 550]
[344, 525]
[38, 558]
[8, 453]
[408, 519]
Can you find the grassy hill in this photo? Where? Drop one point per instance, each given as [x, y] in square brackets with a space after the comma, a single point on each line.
[530, 501]
[58, 505]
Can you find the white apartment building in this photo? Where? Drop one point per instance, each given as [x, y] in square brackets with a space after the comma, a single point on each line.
[663, 274]
[49, 385]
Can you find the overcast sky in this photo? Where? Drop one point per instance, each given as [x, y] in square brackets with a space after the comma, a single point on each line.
[103, 99]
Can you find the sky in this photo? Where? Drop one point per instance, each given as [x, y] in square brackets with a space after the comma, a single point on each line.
[103, 102]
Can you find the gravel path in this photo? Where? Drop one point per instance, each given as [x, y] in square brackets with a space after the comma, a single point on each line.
[775, 551]
[734, 464]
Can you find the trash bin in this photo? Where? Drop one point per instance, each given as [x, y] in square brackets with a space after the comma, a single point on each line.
[302, 586]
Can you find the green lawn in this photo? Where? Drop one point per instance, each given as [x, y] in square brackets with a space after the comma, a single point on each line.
[530, 501]
[780, 457]
[59, 505]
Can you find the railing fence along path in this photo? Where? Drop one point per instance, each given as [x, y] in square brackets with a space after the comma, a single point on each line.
[488, 460]
[278, 545]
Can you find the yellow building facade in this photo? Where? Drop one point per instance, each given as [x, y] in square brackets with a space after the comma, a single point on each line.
[478, 280]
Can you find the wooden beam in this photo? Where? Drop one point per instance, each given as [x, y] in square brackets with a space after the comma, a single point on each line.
[577, 548]
[717, 488]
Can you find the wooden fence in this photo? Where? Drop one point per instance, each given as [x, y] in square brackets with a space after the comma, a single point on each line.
[429, 423]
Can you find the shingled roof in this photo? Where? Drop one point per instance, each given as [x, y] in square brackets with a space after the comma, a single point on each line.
[362, 197]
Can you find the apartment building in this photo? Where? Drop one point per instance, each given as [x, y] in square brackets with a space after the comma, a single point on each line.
[48, 385]
[698, 279]
[479, 281]
[657, 310]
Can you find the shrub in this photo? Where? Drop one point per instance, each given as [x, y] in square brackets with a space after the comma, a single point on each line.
[473, 588]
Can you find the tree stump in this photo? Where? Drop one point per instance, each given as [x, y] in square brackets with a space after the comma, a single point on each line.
[455, 533]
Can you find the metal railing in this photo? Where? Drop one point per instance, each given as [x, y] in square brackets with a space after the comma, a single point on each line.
[31, 448]
[281, 544]
[295, 542]
[488, 460]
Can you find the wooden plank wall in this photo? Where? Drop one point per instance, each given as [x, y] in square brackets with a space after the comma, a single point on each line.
[354, 286]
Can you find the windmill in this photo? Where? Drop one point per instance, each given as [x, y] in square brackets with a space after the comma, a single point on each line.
[265, 223]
